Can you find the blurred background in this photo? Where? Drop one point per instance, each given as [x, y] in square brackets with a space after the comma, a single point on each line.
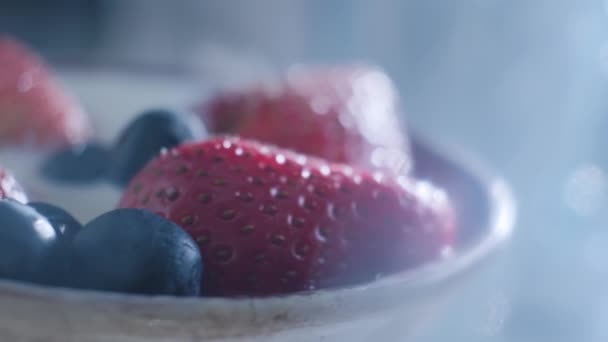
[521, 83]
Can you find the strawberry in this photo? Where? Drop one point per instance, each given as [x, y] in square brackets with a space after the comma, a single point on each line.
[269, 221]
[344, 114]
[34, 109]
[9, 188]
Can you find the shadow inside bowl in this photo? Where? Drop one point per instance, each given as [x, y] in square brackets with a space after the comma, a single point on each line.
[467, 182]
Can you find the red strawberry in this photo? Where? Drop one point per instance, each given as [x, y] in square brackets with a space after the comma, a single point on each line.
[9, 188]
[34, 109]
[344, 114]
[269, 221]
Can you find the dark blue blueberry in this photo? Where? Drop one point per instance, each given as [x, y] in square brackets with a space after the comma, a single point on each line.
[78, 164]
[27, 242]
[144, 138]
[136, 251]
[65, 225]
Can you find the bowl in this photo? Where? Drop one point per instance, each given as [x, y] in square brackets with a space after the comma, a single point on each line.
[392, 308]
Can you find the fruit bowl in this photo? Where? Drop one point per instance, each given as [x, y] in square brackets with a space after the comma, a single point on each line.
[394, 307]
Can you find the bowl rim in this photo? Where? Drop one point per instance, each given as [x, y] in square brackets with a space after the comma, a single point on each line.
[501, 218]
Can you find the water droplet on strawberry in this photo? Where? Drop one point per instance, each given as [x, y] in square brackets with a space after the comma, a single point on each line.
[247, 229]
[278, 239]
[222, 254]
[245, 196]
[205, 198]
[187, 220]
[172, 194]
[301, 249]
[228, 214]
[269, 209]
[322, 233]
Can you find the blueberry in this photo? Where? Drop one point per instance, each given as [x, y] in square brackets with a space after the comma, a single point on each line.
[78, 164]
[136, 251]
[144, 138]
[27, 242]
[65, 225]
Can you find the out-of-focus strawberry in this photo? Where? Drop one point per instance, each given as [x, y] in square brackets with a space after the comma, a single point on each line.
[347, 114]
[34, 109]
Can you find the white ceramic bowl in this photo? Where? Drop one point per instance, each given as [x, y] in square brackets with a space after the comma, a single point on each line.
[390, 309]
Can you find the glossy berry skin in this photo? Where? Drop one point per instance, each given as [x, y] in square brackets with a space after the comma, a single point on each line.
[77, 164]
[136, 251]
[35, 110]
[10, 188]
[269, 221]
[65, 225]
[144, 138]
[347, 114]
[27, 242]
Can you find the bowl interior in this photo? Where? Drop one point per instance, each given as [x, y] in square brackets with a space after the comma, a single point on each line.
[483, 203]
